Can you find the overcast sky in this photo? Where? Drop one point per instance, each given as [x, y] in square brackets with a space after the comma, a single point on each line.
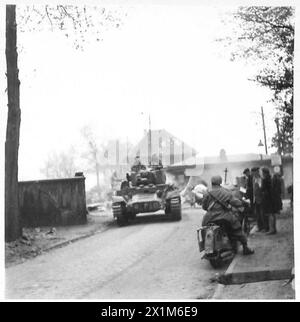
[163, 60]
[156, 62]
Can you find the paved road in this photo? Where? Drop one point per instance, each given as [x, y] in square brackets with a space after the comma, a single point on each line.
[150, 259]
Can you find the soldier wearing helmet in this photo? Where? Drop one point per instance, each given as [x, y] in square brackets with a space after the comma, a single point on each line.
[218, 203]
[137, 166]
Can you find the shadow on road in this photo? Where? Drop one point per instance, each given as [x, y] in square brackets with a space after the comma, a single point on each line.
[150, 219]
[153, 218]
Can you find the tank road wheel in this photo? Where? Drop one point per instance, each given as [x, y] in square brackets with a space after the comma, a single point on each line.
[122, 221]
[173, 209]
[119, 212]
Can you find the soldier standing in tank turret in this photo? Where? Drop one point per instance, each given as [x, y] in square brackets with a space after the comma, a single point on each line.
[137, 165]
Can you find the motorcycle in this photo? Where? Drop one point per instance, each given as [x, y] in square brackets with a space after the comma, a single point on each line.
[214, 241]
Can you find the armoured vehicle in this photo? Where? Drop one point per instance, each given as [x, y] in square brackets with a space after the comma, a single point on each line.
[145, 191]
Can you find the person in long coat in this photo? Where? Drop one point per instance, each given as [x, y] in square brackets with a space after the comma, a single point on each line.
[290, 192]
[262, 222]
[249, 187]
[218, 202]
[267, 200]
[276, 193]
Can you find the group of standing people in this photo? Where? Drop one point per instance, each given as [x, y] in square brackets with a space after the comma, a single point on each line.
[264, 192]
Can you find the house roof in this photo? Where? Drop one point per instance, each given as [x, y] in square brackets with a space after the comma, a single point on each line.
[166, 137]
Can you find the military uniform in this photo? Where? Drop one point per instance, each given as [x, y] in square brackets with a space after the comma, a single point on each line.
[137, 166]
[217, 203]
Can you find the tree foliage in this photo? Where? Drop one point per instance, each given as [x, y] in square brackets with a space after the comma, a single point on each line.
[77, 23]
[60, 165]
[265, 36]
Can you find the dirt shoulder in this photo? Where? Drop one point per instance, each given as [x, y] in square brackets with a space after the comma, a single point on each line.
[35, 241]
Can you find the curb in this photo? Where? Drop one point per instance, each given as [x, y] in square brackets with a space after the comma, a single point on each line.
[229, 278]
[219, 290]
[256, 276]
[229, 270]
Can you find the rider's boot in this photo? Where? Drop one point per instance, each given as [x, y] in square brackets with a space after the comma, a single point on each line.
[247, 250]
[235, 247]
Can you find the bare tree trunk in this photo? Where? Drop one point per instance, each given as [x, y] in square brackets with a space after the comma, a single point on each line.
[12, 217]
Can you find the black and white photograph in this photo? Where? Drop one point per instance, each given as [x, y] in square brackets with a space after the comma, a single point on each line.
[148, 151]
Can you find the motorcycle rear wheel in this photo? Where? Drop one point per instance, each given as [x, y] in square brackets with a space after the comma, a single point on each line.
[216, 262]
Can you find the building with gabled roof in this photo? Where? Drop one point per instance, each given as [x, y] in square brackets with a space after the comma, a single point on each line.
[164, 146]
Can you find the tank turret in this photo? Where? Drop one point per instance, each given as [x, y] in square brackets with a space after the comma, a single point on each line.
[145, 190]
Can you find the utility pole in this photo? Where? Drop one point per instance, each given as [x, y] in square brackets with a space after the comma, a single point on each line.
[226, 171]
[194, 152]
[260, 144]
[279, 142]
[264, 128]
[160, 147]
[172, 158]
[117, 153]
[127, 156]
[149, 142]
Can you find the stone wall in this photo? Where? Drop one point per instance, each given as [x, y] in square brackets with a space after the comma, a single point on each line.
[56, 202]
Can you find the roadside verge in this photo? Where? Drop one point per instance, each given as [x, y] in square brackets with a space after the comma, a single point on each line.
[268, 273]
[36, 241]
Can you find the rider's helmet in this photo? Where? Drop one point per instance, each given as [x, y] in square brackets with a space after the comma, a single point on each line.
[216, 180]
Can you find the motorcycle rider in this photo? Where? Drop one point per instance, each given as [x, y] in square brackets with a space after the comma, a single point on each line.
[218, 203]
